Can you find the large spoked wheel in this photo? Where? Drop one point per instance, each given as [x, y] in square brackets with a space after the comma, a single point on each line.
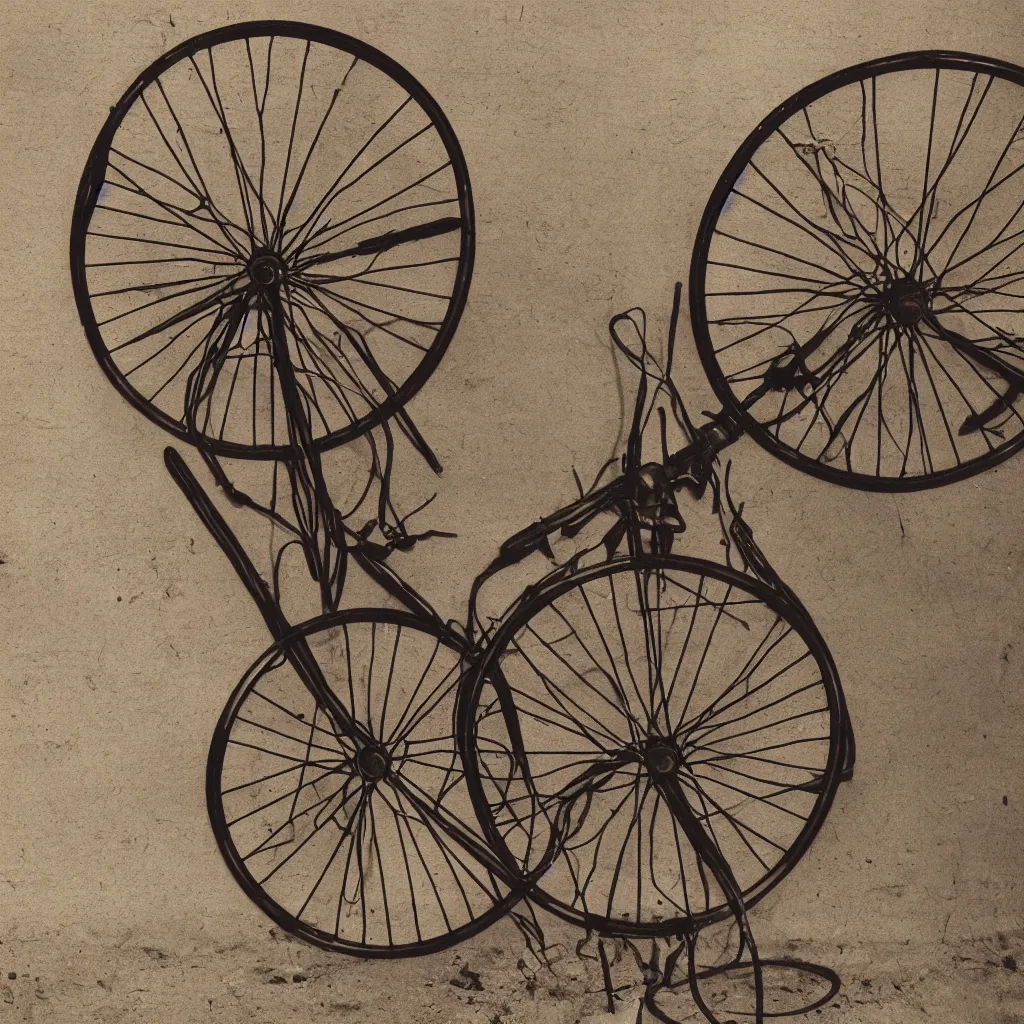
[367, 851]
[272, 153]
[639, 667]
[857, 283]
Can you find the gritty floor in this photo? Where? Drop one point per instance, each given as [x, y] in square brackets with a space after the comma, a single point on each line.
[267, 978]
[594, 134]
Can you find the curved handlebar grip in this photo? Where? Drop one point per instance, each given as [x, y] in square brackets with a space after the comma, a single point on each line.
[525, 542]
[576, 515]
[712, 438]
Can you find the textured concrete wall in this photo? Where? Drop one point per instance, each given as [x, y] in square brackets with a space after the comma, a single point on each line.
[593, 133]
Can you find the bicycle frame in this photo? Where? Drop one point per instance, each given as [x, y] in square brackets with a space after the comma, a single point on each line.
[642, 500]
[304, 662]
[642, 497]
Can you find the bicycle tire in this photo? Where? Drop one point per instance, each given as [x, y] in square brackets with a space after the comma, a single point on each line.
[521, 817]
[414, 889]
[888, 348]
[360, 358]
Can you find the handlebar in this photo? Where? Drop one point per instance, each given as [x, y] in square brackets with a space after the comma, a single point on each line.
[693, 461]
[578, 514]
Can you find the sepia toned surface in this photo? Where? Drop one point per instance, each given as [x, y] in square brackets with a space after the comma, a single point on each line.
[593, 136]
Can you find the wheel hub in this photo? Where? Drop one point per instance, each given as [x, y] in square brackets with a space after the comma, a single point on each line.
[373, 763]
[661, 758]
[266, 270]
[906, 302]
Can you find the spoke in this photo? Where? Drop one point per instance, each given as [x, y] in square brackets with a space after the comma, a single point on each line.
[834, 242]
[389, 240]
[128, 289]
[153, 241]
[625, 649]
[169, 259]
[789, 256]
[622, 711]
[243, 181]
[282, 219]
[345, 832]
[200, 188]
[638, 801]
[180, 218]
[261, 106]
[685, 908]
[926, 347]
[744, 675]
[929, 194]
[997, 239]
[686, 645]
[736, 824]
[355, 225]
[297, 242]
[305, 742]
[720, 756]
[400, 819]
[336, 229]
[189, 189]
[796, 717]
[711, 726]
[361, 348]
[382, 326]
[263, 779]
[574, 725]
[203, 343]
[433, 817]
[770, 273]
[707, 646]
[291, 145]
[862, 236]
[653, 639]
[448, 682]
[618, 686]
[622, 707]
[339, 390]
[597, 840]
[765, 799]
[268, 841]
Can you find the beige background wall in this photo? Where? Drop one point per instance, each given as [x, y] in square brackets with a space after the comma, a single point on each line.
[593, 133]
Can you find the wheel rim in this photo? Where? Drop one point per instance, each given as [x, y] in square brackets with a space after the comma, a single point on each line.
[866, 333]
[352, 850]
[282, 143]
[574, 660]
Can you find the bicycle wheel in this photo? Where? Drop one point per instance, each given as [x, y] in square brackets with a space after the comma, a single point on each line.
[855, 288]
[273, 151]
[640, 666]
[360, 851]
